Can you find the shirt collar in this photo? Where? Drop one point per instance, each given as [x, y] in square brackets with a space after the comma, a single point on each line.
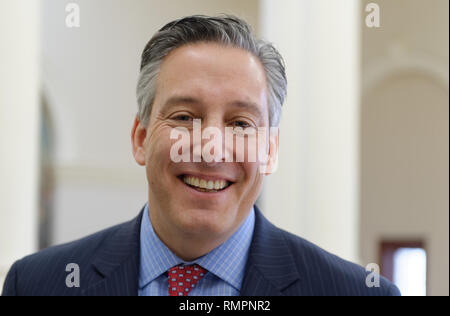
[226, 262]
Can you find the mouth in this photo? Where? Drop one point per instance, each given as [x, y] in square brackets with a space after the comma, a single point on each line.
[205, 185]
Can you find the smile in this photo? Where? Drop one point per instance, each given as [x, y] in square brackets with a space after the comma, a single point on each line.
[204, 185]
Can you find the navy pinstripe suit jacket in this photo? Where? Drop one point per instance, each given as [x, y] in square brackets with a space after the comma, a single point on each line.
[279, 263]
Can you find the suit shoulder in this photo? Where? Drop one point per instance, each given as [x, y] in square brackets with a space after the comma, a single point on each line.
[35, 273]
[328, 274]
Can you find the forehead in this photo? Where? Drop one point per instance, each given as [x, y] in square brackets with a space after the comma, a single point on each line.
[213, 73]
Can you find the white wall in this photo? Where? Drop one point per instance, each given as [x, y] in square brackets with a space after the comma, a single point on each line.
[19, 126]
[314, 192]
[405, 140]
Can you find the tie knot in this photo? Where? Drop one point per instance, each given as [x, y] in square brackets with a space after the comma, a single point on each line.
[182, 279]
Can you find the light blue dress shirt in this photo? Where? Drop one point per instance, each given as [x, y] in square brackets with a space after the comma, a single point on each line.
[225, 264]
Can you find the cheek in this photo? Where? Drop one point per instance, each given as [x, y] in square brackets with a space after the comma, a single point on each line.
[252, 175]
[250, 188]
[158, 145]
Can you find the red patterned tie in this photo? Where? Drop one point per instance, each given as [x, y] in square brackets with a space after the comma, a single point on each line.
[182, 279]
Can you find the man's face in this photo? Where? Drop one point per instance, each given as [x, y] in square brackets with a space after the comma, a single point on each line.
[224, 87]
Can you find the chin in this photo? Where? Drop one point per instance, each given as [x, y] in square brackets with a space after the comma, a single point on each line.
[204, 221]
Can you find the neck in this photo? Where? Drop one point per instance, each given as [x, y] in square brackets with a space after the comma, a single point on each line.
[190, 249]
[187, 246]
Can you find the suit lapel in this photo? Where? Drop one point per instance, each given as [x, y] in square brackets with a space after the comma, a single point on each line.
[116, 266]
[271, 268]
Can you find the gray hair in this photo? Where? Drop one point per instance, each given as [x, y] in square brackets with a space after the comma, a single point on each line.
[225, 29]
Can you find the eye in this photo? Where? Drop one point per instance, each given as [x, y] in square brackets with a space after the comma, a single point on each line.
[242, 124]
[183, 117]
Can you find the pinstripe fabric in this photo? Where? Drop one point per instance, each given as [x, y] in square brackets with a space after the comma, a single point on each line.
[281, 263]
[278, 263]
[108, 264]
[225, 264]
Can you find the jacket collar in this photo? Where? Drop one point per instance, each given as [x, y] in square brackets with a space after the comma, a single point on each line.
[117, 262]
[270, 267]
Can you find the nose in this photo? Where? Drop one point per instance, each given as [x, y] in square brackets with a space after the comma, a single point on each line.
[212, 148]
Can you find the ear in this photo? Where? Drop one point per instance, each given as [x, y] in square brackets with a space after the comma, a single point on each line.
[138, 135]
[274, 142]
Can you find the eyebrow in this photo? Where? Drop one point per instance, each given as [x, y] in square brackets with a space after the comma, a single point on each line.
[180, 100]
[249, 105]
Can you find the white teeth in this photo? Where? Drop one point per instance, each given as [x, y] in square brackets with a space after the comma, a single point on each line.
[207, 185]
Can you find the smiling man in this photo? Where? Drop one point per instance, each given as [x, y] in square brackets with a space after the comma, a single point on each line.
[200, 232]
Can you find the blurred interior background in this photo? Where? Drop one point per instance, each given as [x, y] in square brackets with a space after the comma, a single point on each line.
[363, 166]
